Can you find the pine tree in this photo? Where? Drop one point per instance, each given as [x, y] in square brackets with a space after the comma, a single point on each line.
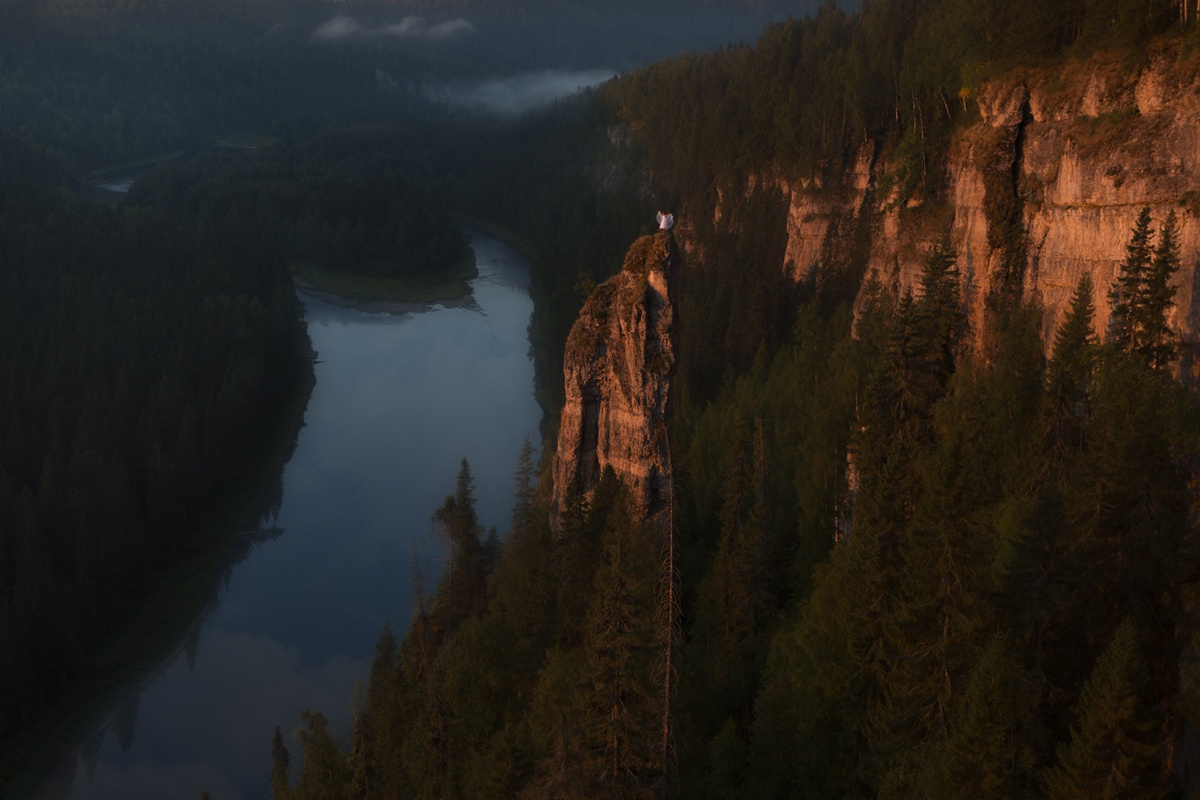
[280, 789]
[1159, 344]
[324, 774]
[461, 591]
[620, 650]
[990, 751]
[1069, 375]
[1127, 295]
[358, 763]
[1113, 751]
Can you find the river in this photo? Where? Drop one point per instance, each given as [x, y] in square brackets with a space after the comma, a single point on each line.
[399, 401]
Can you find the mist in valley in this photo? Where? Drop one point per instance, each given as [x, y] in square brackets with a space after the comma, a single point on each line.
[104, 81]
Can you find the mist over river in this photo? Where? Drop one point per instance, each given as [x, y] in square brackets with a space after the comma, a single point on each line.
[399, 401]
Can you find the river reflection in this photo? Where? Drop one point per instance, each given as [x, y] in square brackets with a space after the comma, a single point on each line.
[399, 400]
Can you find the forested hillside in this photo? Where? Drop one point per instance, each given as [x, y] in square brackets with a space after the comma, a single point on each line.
[102, 90]
[360, 199]
[149, 358]
[912, 566]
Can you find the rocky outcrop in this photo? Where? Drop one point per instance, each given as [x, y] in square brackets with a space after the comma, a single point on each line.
[1062, 158]
[1092, 144]
[619, 358]
[815, 211]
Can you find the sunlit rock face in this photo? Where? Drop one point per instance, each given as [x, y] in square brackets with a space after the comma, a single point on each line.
[1066, 156]
[1097, 141]
[619, 359]
[816, 209]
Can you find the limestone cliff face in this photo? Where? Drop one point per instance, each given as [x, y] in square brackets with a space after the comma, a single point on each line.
[816, 211]
[619, 359]
[1091, 144]
[1065, 155]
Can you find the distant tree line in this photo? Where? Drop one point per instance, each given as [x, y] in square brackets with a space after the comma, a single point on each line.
[362, 199]
[145, 360]
[101, 89]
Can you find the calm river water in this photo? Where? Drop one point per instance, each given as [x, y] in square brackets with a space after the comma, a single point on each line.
[399, 401]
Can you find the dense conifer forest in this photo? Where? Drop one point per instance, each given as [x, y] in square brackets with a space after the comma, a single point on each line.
[149, 357]
[358, 199]
[915, 561]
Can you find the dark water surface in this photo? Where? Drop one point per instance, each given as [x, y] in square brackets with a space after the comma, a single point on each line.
[399, 400]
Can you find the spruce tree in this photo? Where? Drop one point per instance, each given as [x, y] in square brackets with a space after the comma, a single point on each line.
[740, 584]
[990, 751]
[1112, 752]
[574, 562]
[462, 589]
[1069, 356]
[620, 651]
[1127, 295]
[939, 317]
[1159, 345]
[1069, 375]
[384, 727]
[280, 789]
[324, 774]
[361, 779]
[523, 498]
[905, 385]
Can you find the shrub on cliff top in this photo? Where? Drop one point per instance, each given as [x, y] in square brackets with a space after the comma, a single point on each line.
[646, 254]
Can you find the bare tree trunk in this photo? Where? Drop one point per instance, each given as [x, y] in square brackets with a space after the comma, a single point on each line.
[921, 128]
[669, 612]
[896, 83]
